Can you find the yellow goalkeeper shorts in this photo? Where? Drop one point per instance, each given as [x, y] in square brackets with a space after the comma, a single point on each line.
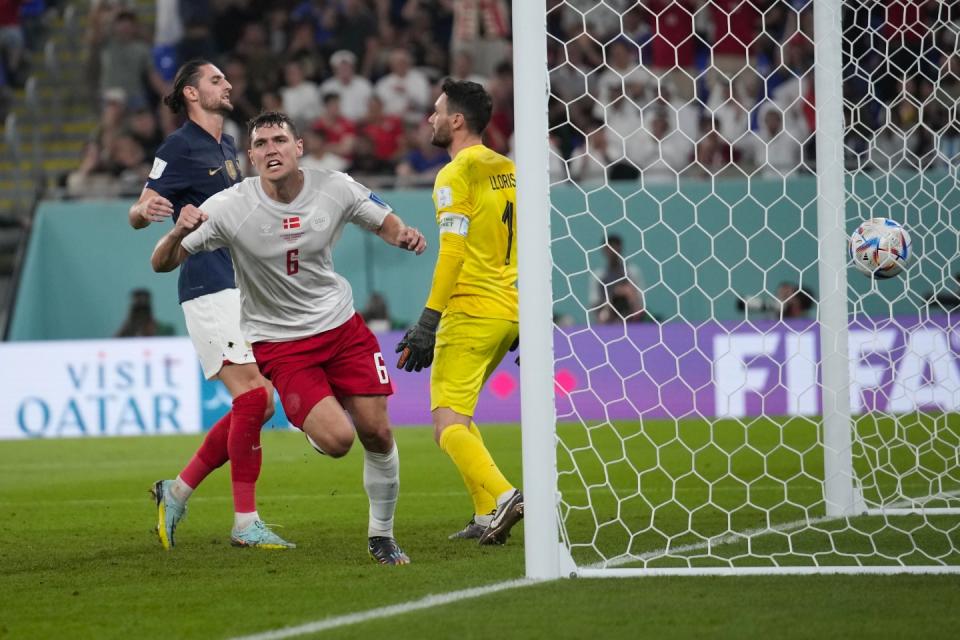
[467, 352]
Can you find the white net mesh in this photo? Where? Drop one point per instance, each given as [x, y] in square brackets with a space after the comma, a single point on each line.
[684, 239]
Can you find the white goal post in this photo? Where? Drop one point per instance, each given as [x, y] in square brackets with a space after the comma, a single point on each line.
[721, 435]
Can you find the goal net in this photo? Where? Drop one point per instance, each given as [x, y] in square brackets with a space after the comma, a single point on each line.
[728, 395]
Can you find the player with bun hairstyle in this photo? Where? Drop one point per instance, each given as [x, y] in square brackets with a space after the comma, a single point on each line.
[195, 162]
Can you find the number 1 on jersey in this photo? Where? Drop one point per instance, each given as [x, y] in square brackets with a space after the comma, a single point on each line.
[507, 219]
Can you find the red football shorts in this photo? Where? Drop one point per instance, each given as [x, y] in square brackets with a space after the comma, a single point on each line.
[341, 362]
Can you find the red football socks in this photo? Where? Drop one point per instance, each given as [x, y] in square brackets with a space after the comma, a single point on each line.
[243, 446]
[211, 454]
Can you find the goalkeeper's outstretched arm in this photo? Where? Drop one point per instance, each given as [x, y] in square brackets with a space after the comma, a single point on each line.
[416, 347]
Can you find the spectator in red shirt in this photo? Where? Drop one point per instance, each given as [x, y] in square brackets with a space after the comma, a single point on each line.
[365, 162]
[736, 24]
[672, 46]
[671, 22]
[498, 131]
[384, 130]
[12, 41]
[905, 22]
[338, 132]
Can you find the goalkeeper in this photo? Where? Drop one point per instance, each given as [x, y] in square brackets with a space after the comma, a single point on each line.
[470, 319]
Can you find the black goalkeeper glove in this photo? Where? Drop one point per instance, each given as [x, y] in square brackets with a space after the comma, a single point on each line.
[513, 347]
[416, 347]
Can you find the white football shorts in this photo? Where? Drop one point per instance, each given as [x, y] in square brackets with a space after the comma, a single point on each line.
[213, 322]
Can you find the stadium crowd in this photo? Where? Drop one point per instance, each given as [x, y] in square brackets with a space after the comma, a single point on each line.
[21, 32]
[659, 89]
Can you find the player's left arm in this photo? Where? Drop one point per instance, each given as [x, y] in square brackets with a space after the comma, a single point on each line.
[454, 205]
[395, 232]
[416, 347]
[366, 209]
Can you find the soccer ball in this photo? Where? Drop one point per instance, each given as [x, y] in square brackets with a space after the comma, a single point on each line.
[880, 248]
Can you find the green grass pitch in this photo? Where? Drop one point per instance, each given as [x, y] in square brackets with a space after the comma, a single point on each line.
[79, 559]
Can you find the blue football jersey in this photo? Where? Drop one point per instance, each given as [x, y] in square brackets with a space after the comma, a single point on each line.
[190, 166]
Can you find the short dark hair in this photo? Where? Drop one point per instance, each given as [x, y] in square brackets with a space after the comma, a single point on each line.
[272, 119]
[188, 75]
[471, 100]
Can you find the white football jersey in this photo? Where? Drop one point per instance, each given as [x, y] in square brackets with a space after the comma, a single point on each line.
[283, 253]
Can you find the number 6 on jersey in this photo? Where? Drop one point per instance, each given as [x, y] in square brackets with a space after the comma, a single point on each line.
[293, 262]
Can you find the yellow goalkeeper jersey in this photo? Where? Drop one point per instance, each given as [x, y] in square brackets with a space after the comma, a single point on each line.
[476, 195]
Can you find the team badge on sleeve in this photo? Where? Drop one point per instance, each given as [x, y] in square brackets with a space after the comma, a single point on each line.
[158, 167]
[444, 197]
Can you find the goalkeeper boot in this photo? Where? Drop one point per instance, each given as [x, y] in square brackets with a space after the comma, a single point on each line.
[472, 531]
[257, 535]
[386, 551]
[170, 512]
[508, 514]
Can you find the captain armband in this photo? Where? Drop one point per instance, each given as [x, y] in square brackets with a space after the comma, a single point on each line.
[454, 223]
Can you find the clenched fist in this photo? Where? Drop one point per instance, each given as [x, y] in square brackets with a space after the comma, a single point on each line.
[190, 218]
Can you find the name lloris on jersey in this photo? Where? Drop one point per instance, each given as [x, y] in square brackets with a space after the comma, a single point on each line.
[503, 181]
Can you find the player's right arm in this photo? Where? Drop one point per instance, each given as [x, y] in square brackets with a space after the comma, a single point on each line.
[151, 207]
[169, 252]
[167, 178]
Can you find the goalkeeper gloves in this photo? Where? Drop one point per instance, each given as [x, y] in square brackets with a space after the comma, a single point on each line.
[416, 347]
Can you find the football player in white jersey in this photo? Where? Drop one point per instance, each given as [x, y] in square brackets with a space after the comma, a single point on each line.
[297, 311]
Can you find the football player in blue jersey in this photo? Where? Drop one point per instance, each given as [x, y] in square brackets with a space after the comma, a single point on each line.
[195, 162]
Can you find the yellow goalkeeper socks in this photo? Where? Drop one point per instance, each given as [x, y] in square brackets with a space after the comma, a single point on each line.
[479, 471]
[483, 502]
[475, 430]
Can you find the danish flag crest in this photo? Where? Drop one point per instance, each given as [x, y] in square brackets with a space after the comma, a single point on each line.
[291, 223]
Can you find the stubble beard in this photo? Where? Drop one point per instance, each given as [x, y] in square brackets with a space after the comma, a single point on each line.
[217, 106]
[441, 138]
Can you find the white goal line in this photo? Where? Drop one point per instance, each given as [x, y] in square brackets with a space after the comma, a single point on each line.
[433, 600]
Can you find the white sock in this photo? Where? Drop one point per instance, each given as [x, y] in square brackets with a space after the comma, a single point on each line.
[484, 520]
[180, 490]
[503, 497]
[381, 479]
[243, 520]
